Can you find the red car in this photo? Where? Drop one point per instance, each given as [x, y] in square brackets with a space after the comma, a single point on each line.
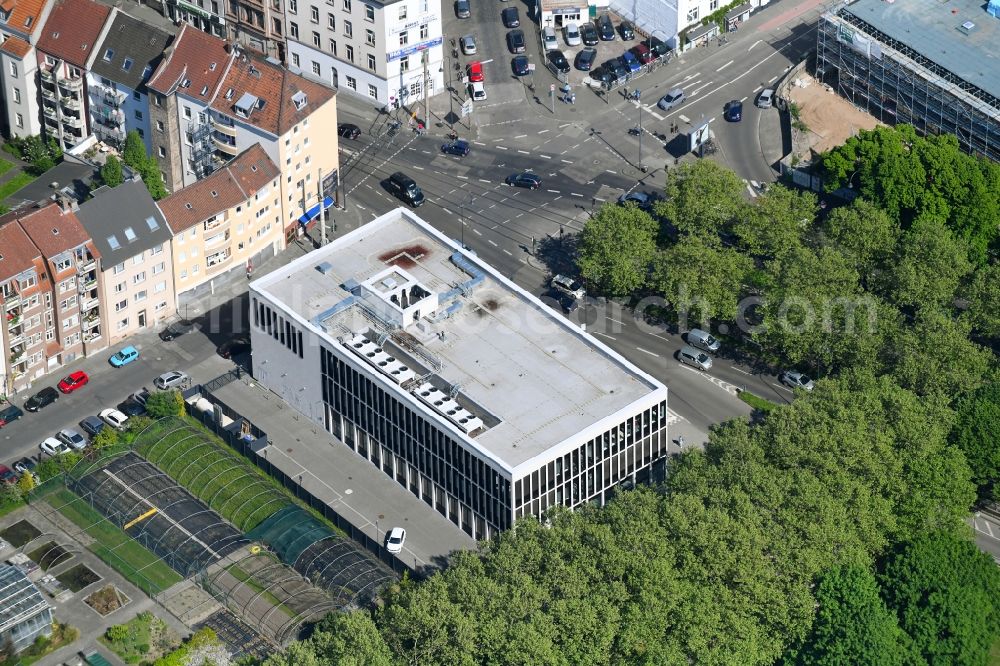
[643, 54]
[7, 475]
[475, 71]
[74, 381]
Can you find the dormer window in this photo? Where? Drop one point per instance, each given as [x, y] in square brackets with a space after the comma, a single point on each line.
[127, 65]
[299, 99]
[108, 55]
[204, 90]
[211, 67]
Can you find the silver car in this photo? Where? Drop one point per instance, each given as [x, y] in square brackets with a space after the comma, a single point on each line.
[673, 98]
[172, 379]
[696, 359]
[765, 99]
[468, 44]
[794, 379]
[72, 438]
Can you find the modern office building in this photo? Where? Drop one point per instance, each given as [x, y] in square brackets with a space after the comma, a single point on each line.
[228, 221]
[465, 389]
[116, 79]
[24, 613]
[136, 266]
[21, 25]
[72, 32]
[922, 62]
[49, 285]
[384, 51]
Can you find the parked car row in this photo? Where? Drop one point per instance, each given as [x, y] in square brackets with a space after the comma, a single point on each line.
[621, 69]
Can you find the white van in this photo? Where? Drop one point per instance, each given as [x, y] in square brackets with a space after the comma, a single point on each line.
[703, 340]
[549, 38]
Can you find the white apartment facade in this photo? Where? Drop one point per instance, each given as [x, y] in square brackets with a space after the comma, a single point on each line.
[387, 53]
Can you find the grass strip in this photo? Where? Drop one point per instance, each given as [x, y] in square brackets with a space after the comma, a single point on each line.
[758, 402]
[5, 166]
[113, 546]
[14, 184]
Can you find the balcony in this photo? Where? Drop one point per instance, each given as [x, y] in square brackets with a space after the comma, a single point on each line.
[110, 117]
[92, 336]
[223, 128]
[225, 147]
[85, 265]
[90, 304]
[47, 74]
[72, 121]
[218, 261]
[113, 98]
[71, 85]
[50, 111]
[91, 322]
[17, 337]
[216, 222]
[217, 239]
[70, 102]
[48, 93]
[12, 302]
[13, 319]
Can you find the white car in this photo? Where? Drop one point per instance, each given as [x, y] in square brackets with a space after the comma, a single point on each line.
[72, 438]
[549, 40]
[478, 91]
[765, 99]
[53, 447]
[394, 543]
[568, 286]
[468, 44]
[796, 380]
[114, 418]
[172, 379]
[572, 34]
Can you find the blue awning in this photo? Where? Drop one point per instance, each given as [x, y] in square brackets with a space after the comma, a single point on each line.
[313, 212]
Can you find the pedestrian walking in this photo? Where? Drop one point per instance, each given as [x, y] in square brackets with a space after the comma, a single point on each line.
[680, 441]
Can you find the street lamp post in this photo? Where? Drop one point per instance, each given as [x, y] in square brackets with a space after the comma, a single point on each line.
[638, 99]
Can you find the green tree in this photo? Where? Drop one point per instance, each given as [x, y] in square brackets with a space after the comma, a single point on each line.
[165, 403]
[775, 223]
[852, 625]
[866, 236]
[929, 266]
[26, 483]
[701, 278]
[105, 438]
[616, 248]
[702, 199]
[153, 178]
[935, 355]
[983, 313]
[350, 639]
[134, 150]
[946, 595]
[977, 434]
[111, 172]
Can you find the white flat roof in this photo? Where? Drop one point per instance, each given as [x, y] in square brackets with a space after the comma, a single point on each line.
[534, 379]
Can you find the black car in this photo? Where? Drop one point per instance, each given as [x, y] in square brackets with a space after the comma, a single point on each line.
[131, 407]
[9, 413]
[41, 399]
[92, 425]
[515, 41]
[524, 179]
[627, 30]
[510, 18]
[585, 59]
[520, 65]
[238, 344]
[458, 147]
[617, 68]
[176, 330]
[601, 74]
[558, 61]
[588, 33]
[348, 131]
[463, 9]
[733, 111]
[605, 28]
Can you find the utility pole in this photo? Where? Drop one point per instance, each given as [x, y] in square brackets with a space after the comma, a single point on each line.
[638, 99]
[322, 209]
[427, 95]
[451, 97]
[552, 97]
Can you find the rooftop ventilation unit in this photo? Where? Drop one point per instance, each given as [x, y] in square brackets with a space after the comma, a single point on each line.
[968, 27]
[325, 268]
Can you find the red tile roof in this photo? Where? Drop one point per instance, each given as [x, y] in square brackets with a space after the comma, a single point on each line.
[54, 230]
[17, 252]
[15, 46]
[23, 14]
[231, 185]
[276, 86]
[194, 56]
[72, 30]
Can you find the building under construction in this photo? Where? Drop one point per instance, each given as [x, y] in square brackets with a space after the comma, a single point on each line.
[925, 62]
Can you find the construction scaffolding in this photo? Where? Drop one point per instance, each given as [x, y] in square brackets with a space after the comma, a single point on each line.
[897, 84]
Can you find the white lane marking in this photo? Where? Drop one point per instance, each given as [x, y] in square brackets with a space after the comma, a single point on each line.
[754, 44]
[464, 177]
[574, 194]
[477, 231]
[752, 193]
[558, 198]
[446, 210]
[520, 136]
[545, 157]
[554, 191]
[491, 243]
[609, 171]
[605, 335]
[565, 125]
[478, 143]
[655, 114]
[502, 148]
[361, 207]
[704, 85]
[648, 352]
[418, 168]
[773, 79]
[724, 66]
[567, 161]
[507, 252]
[615, 320]
[741, 370]
[483, 180]
[542, 131]
[743, 99]
[524, 152]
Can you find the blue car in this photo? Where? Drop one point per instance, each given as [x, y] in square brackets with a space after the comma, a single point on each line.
[733, 111]
[124, 356]
[630, 61]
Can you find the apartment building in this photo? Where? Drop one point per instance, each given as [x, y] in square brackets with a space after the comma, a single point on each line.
[386, 52]
[21, 24]
[257, 25]
[211, 102]
[116, 79]
[225, 222]
[49, 283]
[136, 266]
[208, 16]
[71, 33]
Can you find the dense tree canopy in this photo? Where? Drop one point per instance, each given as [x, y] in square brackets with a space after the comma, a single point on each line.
[616, 248]
[701, 278]
[977, 434]
[702, 199]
